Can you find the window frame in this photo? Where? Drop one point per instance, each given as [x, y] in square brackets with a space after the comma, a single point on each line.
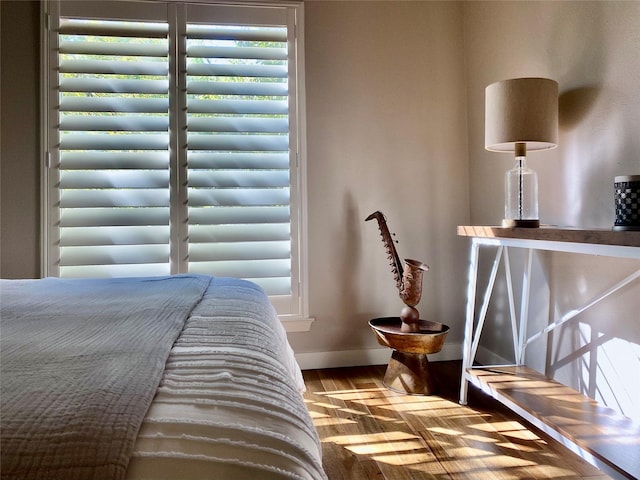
[296, 317]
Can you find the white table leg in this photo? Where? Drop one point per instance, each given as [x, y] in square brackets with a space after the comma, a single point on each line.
[470, 313]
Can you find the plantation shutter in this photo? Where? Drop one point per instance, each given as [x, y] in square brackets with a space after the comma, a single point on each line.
[173, 143]
[113, 150]
[239, 150]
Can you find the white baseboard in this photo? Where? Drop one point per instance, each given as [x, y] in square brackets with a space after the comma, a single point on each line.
[371, 356]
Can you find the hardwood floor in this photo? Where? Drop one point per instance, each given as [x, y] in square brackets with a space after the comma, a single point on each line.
[369, 432]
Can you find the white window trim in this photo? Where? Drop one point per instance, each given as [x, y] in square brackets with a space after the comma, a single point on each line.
[298, 322]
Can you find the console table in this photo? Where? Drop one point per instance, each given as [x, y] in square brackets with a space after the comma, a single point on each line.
[606, 439]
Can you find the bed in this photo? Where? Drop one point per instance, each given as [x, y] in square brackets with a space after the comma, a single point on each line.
[178, 377]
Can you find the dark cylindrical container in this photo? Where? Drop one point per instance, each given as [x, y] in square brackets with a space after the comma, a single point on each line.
[627, 201]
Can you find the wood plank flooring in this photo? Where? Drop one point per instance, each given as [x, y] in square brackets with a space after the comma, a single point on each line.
[369, 432]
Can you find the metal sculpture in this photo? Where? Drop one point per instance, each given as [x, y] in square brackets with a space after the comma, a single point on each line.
[408, 278]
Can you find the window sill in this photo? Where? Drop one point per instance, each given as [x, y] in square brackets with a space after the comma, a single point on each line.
[296, 324]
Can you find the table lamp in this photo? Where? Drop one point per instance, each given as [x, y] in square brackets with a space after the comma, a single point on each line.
[521, 114]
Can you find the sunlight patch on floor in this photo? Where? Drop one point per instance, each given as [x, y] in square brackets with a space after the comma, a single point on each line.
[417, 408]
[518, 447]
[329, 421]
[479, 438]
[353, 411]
[407, 459]
[326, 405]
[365, 438]
[508, 429]
[445, 431]
[347, 395]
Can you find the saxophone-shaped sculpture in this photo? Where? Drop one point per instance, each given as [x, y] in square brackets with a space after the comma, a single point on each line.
[408, 278]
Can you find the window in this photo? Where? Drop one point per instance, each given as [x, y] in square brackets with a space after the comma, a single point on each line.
[174, 143]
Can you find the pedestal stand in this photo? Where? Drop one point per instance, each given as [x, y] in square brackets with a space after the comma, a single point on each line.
[408, 369]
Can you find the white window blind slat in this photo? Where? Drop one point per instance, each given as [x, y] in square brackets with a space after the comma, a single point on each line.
[240, 251]
[114, 270]
[114, 104]
[110, 123]
[109, 17]
[201, 197]
[233, 88]
[251, 143]
[113, 254]
[237, 70]
[249, 269]
[239, 160]
[110, 141]
[239, 124]
[239, 233]
[230, 215]
[98, 217]
[280, 289]
[239, 178]
[88, 47]
[256, 107]
[235, 52]
[106, 67]
[118, 179]
[227, 32]
[116, 197]
[101, 85]
[202, 17]
[83, 160]
[121, 235]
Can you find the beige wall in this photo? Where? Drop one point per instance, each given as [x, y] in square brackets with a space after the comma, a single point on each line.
[19, 140]
[386, 127]
[591, 49]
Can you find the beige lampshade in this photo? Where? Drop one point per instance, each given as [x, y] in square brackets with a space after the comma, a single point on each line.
[521, 110]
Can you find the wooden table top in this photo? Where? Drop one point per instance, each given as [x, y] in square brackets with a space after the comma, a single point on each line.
[556, 234]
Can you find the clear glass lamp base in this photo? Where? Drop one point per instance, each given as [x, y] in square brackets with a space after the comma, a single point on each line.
[521, 195]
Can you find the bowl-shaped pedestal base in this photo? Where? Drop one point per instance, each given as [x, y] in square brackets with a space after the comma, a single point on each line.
[408, 369]
[409, 373]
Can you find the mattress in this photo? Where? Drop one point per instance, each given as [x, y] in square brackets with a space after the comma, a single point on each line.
[228, 402]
